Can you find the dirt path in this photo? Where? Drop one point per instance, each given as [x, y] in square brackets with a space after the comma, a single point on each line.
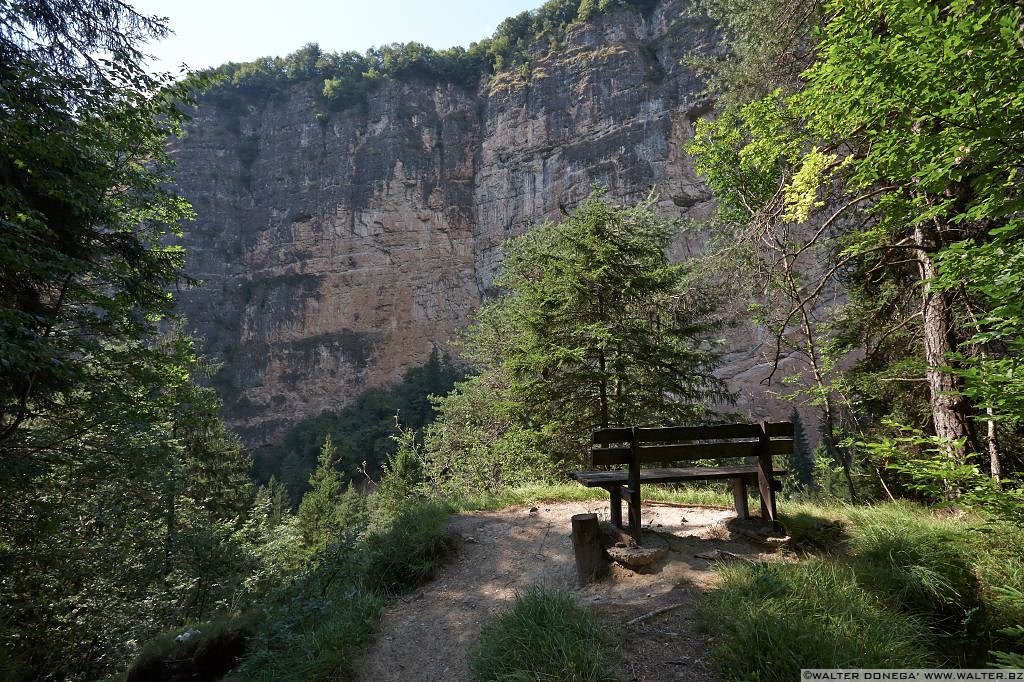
[429, 634]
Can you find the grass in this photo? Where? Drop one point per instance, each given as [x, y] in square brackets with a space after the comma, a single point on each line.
[777, 618]
[890, 585]
[545, 635]
[574, 492]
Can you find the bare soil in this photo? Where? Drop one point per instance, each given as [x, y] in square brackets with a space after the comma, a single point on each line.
[430, 634]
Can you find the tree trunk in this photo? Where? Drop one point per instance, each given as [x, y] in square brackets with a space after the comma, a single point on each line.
[948, 408]
[992, 444]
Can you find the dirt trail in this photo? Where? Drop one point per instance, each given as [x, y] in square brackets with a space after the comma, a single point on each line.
[429, 634]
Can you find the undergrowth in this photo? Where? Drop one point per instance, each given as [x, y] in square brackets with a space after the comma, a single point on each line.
[545, 635]
[314, 625]
[778, 618]
[886, 586]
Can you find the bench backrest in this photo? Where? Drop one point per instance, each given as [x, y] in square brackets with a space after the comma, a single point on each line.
[614, 446]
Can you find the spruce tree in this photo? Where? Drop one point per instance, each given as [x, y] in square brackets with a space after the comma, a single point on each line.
[598, 328]
[318, 511]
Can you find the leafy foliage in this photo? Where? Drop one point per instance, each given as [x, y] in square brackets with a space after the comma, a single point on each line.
[345, 79]
[112, 456]
[894, 159]
[596, 328]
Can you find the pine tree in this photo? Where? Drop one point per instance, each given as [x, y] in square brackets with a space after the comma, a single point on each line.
[597, 327]
[318, 512]
[802, 460]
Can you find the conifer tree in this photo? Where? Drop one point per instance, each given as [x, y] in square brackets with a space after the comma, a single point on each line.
[598, 328]
[318, 511]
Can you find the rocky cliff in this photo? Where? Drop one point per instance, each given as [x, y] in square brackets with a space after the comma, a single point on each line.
[338, 249]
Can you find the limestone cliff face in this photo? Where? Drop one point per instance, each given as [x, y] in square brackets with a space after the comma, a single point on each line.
[338, 250]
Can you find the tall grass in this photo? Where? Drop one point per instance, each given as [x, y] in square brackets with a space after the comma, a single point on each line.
[777, 618]
[315, 624]
[898, 586]
[545, 635]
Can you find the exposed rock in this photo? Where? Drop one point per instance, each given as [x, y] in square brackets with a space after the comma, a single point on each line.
[339, 249]
[651, 549]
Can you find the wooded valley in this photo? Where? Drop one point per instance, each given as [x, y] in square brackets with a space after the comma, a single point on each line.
[865, 164]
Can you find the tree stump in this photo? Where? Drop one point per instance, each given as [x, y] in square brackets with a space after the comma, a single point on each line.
[586, 543]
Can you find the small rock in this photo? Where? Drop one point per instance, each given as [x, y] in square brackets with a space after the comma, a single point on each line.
[534, 510]
[187, 635]
[776, 542]
[470, 539]
[653, 548]
[717, 555]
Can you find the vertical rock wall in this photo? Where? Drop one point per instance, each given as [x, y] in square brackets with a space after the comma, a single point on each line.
[337, 250]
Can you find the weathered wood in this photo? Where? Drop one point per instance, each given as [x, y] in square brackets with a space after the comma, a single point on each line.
[606, 479]
[609, 456]
[633, 504]
[765, 480]
[633, 497]
[681, 434]
[586, 544]
[739, 496]
[647, 454]
[615, 435]
[636, 446]
[652, 614]
[616, 494]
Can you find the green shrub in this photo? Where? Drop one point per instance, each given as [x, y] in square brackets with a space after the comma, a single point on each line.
[777, 618]
[314, 626]
[214, 648]
[546, 635]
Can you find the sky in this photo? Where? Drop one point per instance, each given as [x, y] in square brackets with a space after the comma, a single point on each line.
[212, 32]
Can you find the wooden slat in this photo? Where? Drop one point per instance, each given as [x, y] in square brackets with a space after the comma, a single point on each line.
[609, 456]
[780, 429]
[682, 434]
[678, 434]
[648, 454]
[674, 453]
[607, 479]
[614, 435]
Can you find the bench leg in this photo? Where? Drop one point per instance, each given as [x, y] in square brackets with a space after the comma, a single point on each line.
[634, 513]
[739, 496]
[766, 486]
[616, 514]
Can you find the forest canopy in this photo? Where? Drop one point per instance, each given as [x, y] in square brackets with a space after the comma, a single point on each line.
[344, 79]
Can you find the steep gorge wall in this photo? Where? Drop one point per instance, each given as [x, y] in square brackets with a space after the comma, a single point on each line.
[337, 250]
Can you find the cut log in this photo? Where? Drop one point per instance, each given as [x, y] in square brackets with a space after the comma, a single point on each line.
[586, 543]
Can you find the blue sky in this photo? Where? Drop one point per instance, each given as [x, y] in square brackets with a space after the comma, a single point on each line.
[211, 32]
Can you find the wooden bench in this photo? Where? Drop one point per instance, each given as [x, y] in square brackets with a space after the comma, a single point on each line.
[635, 447]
